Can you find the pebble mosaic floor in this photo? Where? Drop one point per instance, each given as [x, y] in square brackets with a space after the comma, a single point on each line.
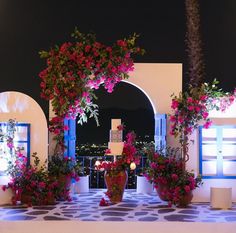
[134, 207]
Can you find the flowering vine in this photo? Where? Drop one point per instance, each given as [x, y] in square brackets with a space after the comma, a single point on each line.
[193, 106]
[75, 69]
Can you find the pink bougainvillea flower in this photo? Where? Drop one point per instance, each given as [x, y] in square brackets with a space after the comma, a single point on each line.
[187, 188]
[205, 115]
[190, 108]
[174, 104]
[207, 124]
[66, 127]
[189, 100]
[107, 151]
[174, 177]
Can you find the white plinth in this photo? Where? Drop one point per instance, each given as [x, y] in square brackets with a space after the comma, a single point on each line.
[143, 186]
[5, 196]
[82, 186]
[221, 197]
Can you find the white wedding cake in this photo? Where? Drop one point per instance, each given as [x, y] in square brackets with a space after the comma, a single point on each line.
[116, 143]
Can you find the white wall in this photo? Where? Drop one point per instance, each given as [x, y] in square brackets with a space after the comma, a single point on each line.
[158, 81]
[19, 106]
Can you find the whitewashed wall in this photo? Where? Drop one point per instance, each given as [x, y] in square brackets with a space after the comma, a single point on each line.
[23, 108]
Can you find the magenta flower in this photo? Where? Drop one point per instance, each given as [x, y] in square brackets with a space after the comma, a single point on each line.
[174, 177]
[174, 104]
[205, 115]
[207, 125]
[190, 108]
[107, 151]
[187, 188]
[189, 100]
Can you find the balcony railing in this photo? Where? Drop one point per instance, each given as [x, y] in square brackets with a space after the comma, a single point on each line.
[96, 178]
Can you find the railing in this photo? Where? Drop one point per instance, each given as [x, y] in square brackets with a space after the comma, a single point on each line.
[96, 178]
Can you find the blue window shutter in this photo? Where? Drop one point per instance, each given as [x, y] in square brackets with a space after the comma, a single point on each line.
[70, 138]
[160, 131]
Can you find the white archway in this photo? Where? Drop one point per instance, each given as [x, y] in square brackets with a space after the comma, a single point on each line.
[23, 108]
[158, 81]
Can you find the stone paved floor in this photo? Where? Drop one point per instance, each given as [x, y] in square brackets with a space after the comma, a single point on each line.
[135, 207]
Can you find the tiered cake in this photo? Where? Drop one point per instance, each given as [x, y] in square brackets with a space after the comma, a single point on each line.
[116, 143]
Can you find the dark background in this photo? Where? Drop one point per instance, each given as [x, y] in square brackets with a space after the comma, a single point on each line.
[27, 26]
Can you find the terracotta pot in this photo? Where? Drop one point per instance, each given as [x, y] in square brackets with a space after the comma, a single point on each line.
[25, 199]
[65, 183]
[115, 182]
[185, 200]
[162, 189]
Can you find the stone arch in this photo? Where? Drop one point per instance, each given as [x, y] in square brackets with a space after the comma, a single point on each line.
[23, 108]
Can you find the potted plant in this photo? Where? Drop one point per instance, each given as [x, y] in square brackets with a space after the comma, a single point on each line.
[63, 169]
[31, 184]
[116, 171]
[165, 171]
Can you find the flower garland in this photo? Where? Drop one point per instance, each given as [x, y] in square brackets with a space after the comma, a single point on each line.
[75, 69]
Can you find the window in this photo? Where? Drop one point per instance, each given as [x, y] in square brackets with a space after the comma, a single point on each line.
[218, 151]
[21, 140]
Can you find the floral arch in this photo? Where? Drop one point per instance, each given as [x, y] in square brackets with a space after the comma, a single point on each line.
[153, 79]
[75, 69]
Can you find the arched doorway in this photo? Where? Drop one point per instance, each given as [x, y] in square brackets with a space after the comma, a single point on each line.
[159, 81]
[128, 103]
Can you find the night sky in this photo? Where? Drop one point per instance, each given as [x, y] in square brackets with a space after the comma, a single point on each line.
[27, 26]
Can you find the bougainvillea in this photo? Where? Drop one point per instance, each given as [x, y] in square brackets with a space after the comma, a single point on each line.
[192, 107]
[75, 69]
[129, 155]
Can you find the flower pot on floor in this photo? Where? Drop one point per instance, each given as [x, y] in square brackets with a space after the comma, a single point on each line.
[162, 191]
[185, 200]
[116, 182]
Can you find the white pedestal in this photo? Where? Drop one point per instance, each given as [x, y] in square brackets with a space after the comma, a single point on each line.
[221, 198]
[81, 186]
[143, 186]
[5, 196]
